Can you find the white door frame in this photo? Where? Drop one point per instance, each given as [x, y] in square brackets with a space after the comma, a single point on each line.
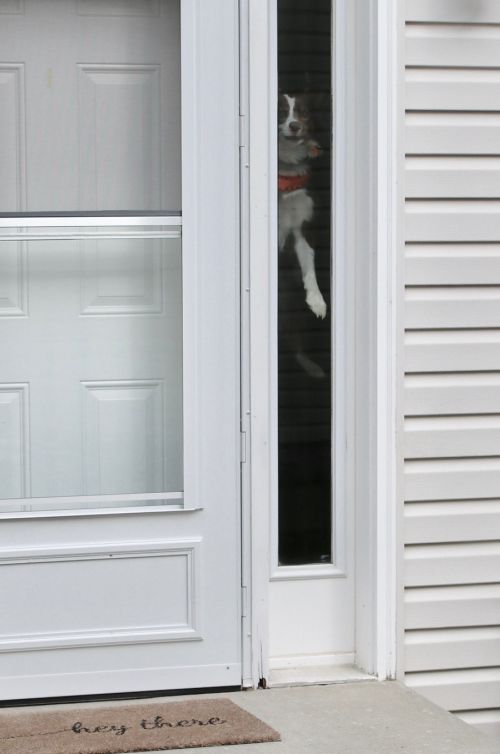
[367, 66]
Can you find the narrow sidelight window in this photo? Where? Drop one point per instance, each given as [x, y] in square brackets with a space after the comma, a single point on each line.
[305, 305]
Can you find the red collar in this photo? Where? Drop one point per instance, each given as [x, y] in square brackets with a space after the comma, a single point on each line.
[287, 183]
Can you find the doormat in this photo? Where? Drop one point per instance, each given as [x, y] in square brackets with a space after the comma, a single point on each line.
[131, 728]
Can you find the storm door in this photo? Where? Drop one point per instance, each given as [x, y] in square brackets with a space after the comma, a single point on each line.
[119, 387]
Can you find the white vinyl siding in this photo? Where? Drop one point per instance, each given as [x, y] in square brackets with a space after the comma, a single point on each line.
[452, 357]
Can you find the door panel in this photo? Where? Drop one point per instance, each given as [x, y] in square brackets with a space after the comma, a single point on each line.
[119, 168]
[90, 106]
[125, 276]
[12, 141]
[13, 280]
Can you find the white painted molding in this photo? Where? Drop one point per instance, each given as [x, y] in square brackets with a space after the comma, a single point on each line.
[372, 36]
[315, 571]
[259, 90]
[314, 661]
[389, 319]
[190, 549]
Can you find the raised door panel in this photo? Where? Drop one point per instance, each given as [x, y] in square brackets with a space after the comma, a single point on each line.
[124, 429]
[13, 280]
[119, 167]
[161, 575]
[120, 278]
[12, 138]
[14, 441]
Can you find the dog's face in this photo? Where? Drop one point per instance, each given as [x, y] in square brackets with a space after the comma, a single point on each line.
[294, 119]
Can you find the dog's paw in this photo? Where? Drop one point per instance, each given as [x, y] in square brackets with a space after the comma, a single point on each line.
[316, 304]
[309, 366]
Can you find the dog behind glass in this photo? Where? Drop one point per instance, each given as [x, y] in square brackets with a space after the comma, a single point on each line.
[296, 149]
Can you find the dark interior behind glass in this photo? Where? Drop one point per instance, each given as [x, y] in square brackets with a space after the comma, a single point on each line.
[304, 340]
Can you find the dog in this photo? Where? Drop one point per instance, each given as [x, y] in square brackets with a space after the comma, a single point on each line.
[296, 149]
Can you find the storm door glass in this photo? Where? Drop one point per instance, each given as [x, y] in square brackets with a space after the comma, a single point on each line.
[91, 322]
[304, 135]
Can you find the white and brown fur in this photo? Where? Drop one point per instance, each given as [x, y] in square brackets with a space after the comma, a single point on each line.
[296, 148]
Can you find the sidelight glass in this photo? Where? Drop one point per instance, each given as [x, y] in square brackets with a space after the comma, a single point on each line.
[91, 372]
[305, 305]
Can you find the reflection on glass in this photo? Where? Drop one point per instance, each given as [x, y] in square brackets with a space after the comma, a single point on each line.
[91, 372]
[304, 303]
[91, 112]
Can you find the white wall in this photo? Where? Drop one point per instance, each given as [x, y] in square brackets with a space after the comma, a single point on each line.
[452, 356]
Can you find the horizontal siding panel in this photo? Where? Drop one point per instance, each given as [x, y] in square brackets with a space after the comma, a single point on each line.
[433, 133]
[467, 393]
[459, 689]
[452, 177]
[436, 307]
[487, 721]
[452, 436]
[457, 479]
[455, 521]
[446, 649]
[449, 606]
[452, 264]
[452, 351]
[455, 45]
[461, 89]
[452, 221]
[452, 356]
[439, 565]
[454, 11]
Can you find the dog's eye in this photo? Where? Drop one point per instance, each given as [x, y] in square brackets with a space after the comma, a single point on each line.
[282, 113]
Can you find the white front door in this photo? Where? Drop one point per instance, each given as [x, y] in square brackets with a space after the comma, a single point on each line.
[119, 383]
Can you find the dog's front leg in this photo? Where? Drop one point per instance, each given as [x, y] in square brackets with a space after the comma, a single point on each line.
[305, 256]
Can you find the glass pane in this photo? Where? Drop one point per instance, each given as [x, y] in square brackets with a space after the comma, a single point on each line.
[91, 369]
[90, 106]
[304, 301]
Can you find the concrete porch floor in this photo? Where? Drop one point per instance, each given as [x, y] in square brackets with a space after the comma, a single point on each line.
[351, 718]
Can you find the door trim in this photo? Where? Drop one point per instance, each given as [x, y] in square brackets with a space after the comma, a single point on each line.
[372, 42]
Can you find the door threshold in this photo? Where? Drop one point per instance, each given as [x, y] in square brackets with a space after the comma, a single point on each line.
[117, 697]
[316, 675]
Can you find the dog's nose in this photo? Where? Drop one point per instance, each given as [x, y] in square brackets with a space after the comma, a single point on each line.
[294, 126]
